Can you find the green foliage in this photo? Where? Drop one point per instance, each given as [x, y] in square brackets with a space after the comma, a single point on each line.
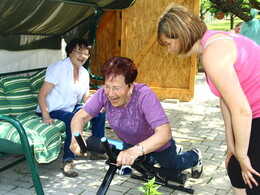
[207, 7]
[150, 188]
[233, 10]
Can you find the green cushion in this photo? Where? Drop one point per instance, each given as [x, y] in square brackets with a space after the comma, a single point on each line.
[36, 81]
[4, 104]
[45, 140]
[16, 84]
[18, 94]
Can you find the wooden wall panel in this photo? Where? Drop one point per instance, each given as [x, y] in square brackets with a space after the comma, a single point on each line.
[168, 75]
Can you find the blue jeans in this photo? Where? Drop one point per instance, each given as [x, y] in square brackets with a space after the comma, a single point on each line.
[98, 127]
[169, 159]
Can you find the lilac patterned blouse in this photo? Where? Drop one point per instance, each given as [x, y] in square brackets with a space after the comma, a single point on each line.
[137, 120]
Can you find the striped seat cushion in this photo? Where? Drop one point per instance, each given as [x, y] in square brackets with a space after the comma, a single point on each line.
[18, 94]
[4, 104]
[36, 81]
[45, 140]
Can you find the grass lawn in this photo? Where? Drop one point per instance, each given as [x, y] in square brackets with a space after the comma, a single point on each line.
[225, 24]
[222, 25]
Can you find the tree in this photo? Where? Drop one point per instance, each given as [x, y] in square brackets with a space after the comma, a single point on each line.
[204, 8]
[239, 8]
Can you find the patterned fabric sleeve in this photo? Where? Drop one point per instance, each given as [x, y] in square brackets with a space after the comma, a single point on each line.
[152, 108]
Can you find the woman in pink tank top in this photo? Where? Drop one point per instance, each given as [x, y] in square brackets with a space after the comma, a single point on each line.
[232, 66]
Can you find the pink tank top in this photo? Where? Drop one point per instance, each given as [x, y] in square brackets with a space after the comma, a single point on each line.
[247, 67]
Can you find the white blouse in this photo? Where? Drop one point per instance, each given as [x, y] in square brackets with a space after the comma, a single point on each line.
[65, 94]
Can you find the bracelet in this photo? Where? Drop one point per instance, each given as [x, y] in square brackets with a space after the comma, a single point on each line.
[140, 148]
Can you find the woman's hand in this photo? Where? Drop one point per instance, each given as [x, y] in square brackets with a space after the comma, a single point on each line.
[161, 136]
[74, 147]
[48, 120]
[248, 171]
[127, 157]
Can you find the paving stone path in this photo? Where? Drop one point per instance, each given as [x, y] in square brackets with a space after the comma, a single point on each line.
[195, 124]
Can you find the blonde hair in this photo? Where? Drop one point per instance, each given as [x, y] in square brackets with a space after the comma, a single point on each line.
[177, 22]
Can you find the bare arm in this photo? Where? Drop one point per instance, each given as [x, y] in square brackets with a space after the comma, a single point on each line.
[156, 141]
[77, 124]
[228, 130]
[218, 63]
[218, 59]
[227, 122]
[44, 91]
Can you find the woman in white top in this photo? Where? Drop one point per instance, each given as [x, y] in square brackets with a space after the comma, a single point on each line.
[66, 84]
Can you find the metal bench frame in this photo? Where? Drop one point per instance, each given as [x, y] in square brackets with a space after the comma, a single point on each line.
[27, 152]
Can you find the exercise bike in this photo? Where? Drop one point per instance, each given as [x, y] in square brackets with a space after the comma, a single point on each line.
[112, 148]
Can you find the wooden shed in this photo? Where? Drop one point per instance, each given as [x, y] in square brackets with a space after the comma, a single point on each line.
[133, 33]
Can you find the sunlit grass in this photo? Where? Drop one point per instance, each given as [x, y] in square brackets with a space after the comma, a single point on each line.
[223, 25]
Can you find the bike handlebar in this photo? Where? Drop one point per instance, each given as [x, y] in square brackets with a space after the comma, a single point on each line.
[108, 150]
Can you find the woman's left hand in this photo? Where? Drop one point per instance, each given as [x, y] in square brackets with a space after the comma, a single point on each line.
[127, 157]
[248, 171]
[230, 153]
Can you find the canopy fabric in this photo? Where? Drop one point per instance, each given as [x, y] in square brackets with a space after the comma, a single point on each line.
[42, 24]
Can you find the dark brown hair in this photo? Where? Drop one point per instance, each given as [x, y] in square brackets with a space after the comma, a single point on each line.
[120, 66]
[80, 42]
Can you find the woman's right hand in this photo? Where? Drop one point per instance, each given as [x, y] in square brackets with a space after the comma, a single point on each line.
[127, 157]
[248, 171]
[48, 120]
[74, 147]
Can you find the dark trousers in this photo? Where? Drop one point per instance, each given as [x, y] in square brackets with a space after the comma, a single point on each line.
[234, 169]
[169, 159]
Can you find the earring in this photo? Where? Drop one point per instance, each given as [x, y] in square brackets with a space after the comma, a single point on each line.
[131, 90]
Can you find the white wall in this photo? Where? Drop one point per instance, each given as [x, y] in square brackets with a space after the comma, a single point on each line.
[11, 61]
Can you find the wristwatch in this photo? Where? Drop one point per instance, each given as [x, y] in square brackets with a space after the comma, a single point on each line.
[141, 148]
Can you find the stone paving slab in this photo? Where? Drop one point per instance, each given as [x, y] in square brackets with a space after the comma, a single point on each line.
[195, 124]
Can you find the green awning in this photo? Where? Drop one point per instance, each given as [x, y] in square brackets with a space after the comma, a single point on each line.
[38, 24]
